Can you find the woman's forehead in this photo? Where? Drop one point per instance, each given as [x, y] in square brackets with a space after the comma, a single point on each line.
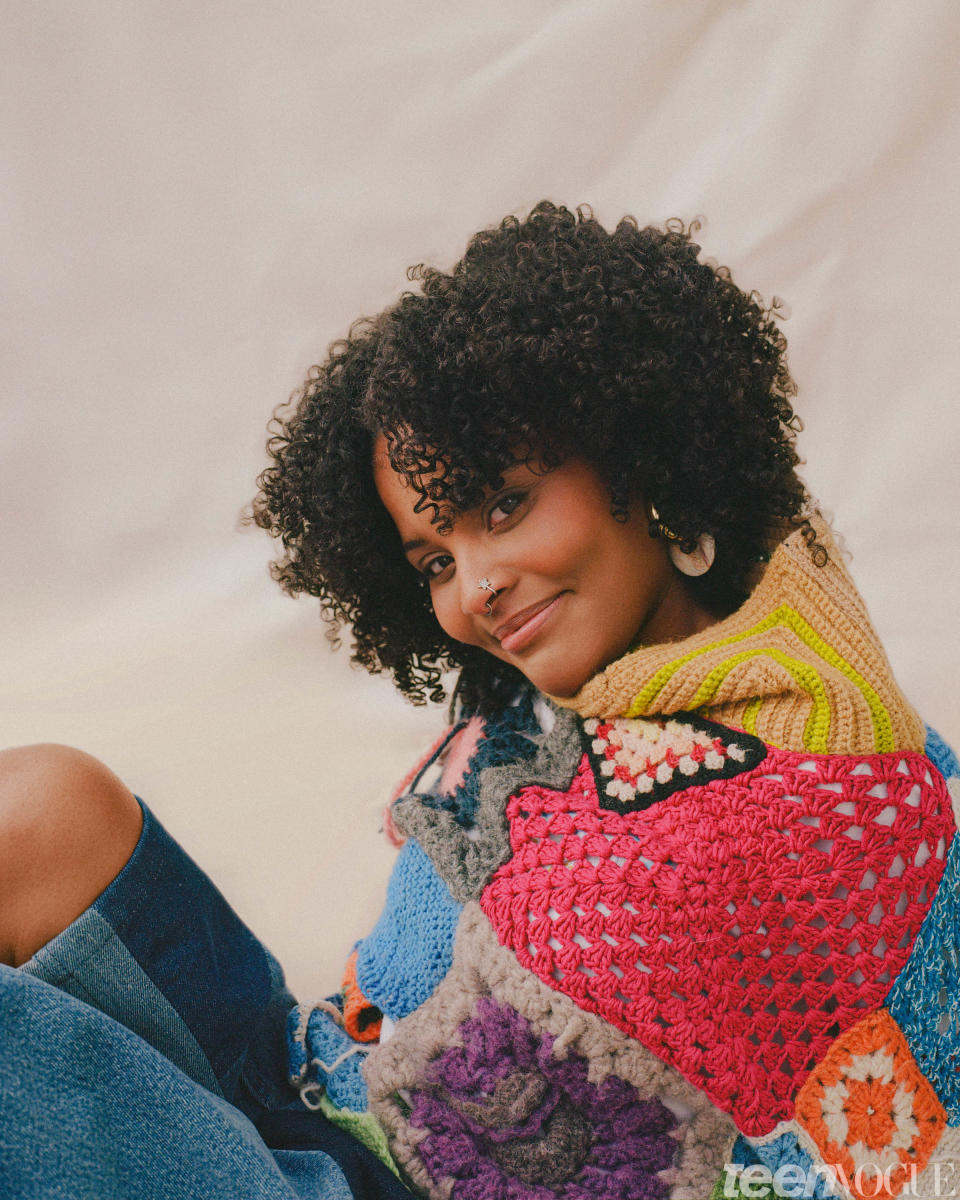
[398, 497]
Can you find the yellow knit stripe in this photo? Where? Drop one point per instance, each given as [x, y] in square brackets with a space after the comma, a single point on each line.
[783, 615]
[816, 732]
[883, 739]
[663, 676]
[750, 715]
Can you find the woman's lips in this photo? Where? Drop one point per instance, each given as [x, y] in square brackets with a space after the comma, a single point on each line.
[532, 620]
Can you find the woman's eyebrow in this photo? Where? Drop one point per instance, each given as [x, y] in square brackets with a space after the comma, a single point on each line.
[414, 545]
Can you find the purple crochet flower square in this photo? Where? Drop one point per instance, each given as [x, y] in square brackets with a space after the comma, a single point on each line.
[507, 1119]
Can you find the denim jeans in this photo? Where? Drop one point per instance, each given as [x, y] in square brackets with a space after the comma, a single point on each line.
[142, 1056]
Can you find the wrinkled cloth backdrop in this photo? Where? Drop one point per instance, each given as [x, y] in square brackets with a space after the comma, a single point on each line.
[199, 198]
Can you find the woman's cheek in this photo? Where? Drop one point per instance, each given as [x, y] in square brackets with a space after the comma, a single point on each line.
[451, 618]
[557, 545]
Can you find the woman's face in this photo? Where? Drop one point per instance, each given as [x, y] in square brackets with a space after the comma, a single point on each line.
[574, 587]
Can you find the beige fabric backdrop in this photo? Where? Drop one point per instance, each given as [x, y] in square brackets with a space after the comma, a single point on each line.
[200, 197]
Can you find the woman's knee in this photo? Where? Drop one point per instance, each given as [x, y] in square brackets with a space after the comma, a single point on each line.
[67, 826]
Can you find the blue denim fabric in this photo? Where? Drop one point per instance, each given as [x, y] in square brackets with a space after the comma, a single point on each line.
[163, 1072]
[161, 951]
[89, 1111]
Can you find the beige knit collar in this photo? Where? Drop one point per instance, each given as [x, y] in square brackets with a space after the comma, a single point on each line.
[799, 665]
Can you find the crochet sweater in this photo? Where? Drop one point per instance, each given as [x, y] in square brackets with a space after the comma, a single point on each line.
[694, 934]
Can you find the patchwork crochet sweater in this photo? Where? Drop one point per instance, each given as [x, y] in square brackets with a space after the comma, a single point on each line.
[694, 934]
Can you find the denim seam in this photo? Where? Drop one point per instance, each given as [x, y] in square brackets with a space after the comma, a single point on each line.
[87, 942]
[49, 954]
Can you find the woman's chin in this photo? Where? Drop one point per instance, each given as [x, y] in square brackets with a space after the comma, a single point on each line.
[559, 681]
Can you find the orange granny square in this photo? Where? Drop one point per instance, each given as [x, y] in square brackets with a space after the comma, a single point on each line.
[871, 1112]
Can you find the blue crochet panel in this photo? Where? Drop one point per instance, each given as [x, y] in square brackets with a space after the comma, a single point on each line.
[323, 1058]
[925, 998]
[411, 946]
[941, 755]
[781, 1152]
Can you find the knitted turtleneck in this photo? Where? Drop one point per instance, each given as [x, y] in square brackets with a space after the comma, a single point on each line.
[798, 665]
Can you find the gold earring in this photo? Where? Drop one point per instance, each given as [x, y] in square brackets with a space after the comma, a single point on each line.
[659, 529]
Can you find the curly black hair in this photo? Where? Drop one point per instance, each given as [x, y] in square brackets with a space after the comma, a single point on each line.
[550, 334]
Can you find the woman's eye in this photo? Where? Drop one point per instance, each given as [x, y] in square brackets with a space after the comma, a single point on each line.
[436, 566]
[505, 507]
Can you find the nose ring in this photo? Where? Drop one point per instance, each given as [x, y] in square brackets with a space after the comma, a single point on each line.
[485, 585]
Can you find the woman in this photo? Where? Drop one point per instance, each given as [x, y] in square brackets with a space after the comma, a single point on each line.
[674, 887]
[728, 858]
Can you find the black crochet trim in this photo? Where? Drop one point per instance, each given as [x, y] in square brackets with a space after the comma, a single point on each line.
[755, 751]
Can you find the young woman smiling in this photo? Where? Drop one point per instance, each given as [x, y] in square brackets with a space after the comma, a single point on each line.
[676, 892]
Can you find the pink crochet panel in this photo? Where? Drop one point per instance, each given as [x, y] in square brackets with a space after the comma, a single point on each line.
[735, 928]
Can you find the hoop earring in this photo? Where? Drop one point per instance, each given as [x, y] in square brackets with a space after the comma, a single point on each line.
[692, 559]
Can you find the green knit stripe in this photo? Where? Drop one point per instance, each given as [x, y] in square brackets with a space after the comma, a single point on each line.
[363, 1126]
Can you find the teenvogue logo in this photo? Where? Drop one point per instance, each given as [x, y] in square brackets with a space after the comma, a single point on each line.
[793, 1181]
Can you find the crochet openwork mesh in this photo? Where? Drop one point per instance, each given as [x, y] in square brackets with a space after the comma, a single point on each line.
[736, 928]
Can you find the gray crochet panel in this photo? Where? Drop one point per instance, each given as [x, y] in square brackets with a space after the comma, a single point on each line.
[466, 859]
[482, 968]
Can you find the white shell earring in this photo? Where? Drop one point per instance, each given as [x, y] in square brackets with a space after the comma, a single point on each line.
[697, 561]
